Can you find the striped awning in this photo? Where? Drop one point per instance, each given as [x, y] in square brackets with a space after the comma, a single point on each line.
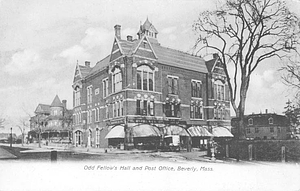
[116, 132]
[176, 130]
[221, 132]
[199, 131]
[145, 130]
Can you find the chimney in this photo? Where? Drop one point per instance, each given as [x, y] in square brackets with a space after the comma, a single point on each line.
[118, 31]
[266, 111]
[129, 38]
[64, 102]
[88, 63]
[215, 55]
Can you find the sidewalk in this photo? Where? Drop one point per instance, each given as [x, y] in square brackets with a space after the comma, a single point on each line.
[60, 147]
[4, 154]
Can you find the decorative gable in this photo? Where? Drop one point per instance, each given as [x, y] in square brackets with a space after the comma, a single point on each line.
[116, 51]
[39, 109]
[77, 75]
[144, 49]
[218, 68]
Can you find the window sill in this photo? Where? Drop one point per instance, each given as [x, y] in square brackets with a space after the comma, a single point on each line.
[193, 119]
[200, 98]
[173, 117]
[172, 94]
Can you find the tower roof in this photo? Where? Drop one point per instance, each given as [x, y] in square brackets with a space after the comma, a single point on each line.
[56, 102]
[147, 26]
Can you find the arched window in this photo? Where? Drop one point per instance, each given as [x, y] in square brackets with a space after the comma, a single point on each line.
[250, 121]
[145, 78]
[219, 90]
[116, 80]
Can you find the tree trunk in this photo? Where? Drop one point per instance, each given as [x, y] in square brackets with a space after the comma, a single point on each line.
[23, 138]
[39, 139]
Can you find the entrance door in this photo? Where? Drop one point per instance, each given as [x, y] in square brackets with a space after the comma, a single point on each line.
[97, 138]
[90, 138]
[78, 135]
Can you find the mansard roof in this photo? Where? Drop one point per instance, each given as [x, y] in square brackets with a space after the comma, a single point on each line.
[56, 102]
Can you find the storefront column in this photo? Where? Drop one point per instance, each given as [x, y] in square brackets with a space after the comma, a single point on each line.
[128, 140]
[189, 144]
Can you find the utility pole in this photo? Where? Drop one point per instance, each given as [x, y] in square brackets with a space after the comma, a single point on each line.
[11, 137]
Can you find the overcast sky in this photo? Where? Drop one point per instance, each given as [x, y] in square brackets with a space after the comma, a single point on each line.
[41, 41]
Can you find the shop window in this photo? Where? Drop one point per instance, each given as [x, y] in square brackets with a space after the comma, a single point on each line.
[145, 78]
[173, 85]
[196, 87]
[116, 80]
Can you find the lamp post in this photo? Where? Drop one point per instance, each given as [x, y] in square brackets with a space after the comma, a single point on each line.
[11, 137]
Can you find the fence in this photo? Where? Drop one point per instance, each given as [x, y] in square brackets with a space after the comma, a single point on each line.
[266, 150]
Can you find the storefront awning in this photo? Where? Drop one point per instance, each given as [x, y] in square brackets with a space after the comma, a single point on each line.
[116, 132]
[176, 130]
[221, 132]
[198, 131]
[145, 130]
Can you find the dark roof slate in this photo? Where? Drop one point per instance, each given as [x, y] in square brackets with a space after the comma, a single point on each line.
[100, 64]
[210, 64]
[56, 102]
[179, 59]
[44, 108]
[85, 70]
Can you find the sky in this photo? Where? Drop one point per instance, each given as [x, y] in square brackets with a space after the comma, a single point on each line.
[41, 42]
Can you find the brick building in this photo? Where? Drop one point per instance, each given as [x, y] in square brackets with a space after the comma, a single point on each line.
[264, 126]
[143, 93]
[53, 121]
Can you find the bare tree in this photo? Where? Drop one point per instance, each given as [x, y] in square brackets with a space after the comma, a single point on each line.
[246, 33]
[2, 120]
[291, 76]
[23, 124]
[40, 122]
